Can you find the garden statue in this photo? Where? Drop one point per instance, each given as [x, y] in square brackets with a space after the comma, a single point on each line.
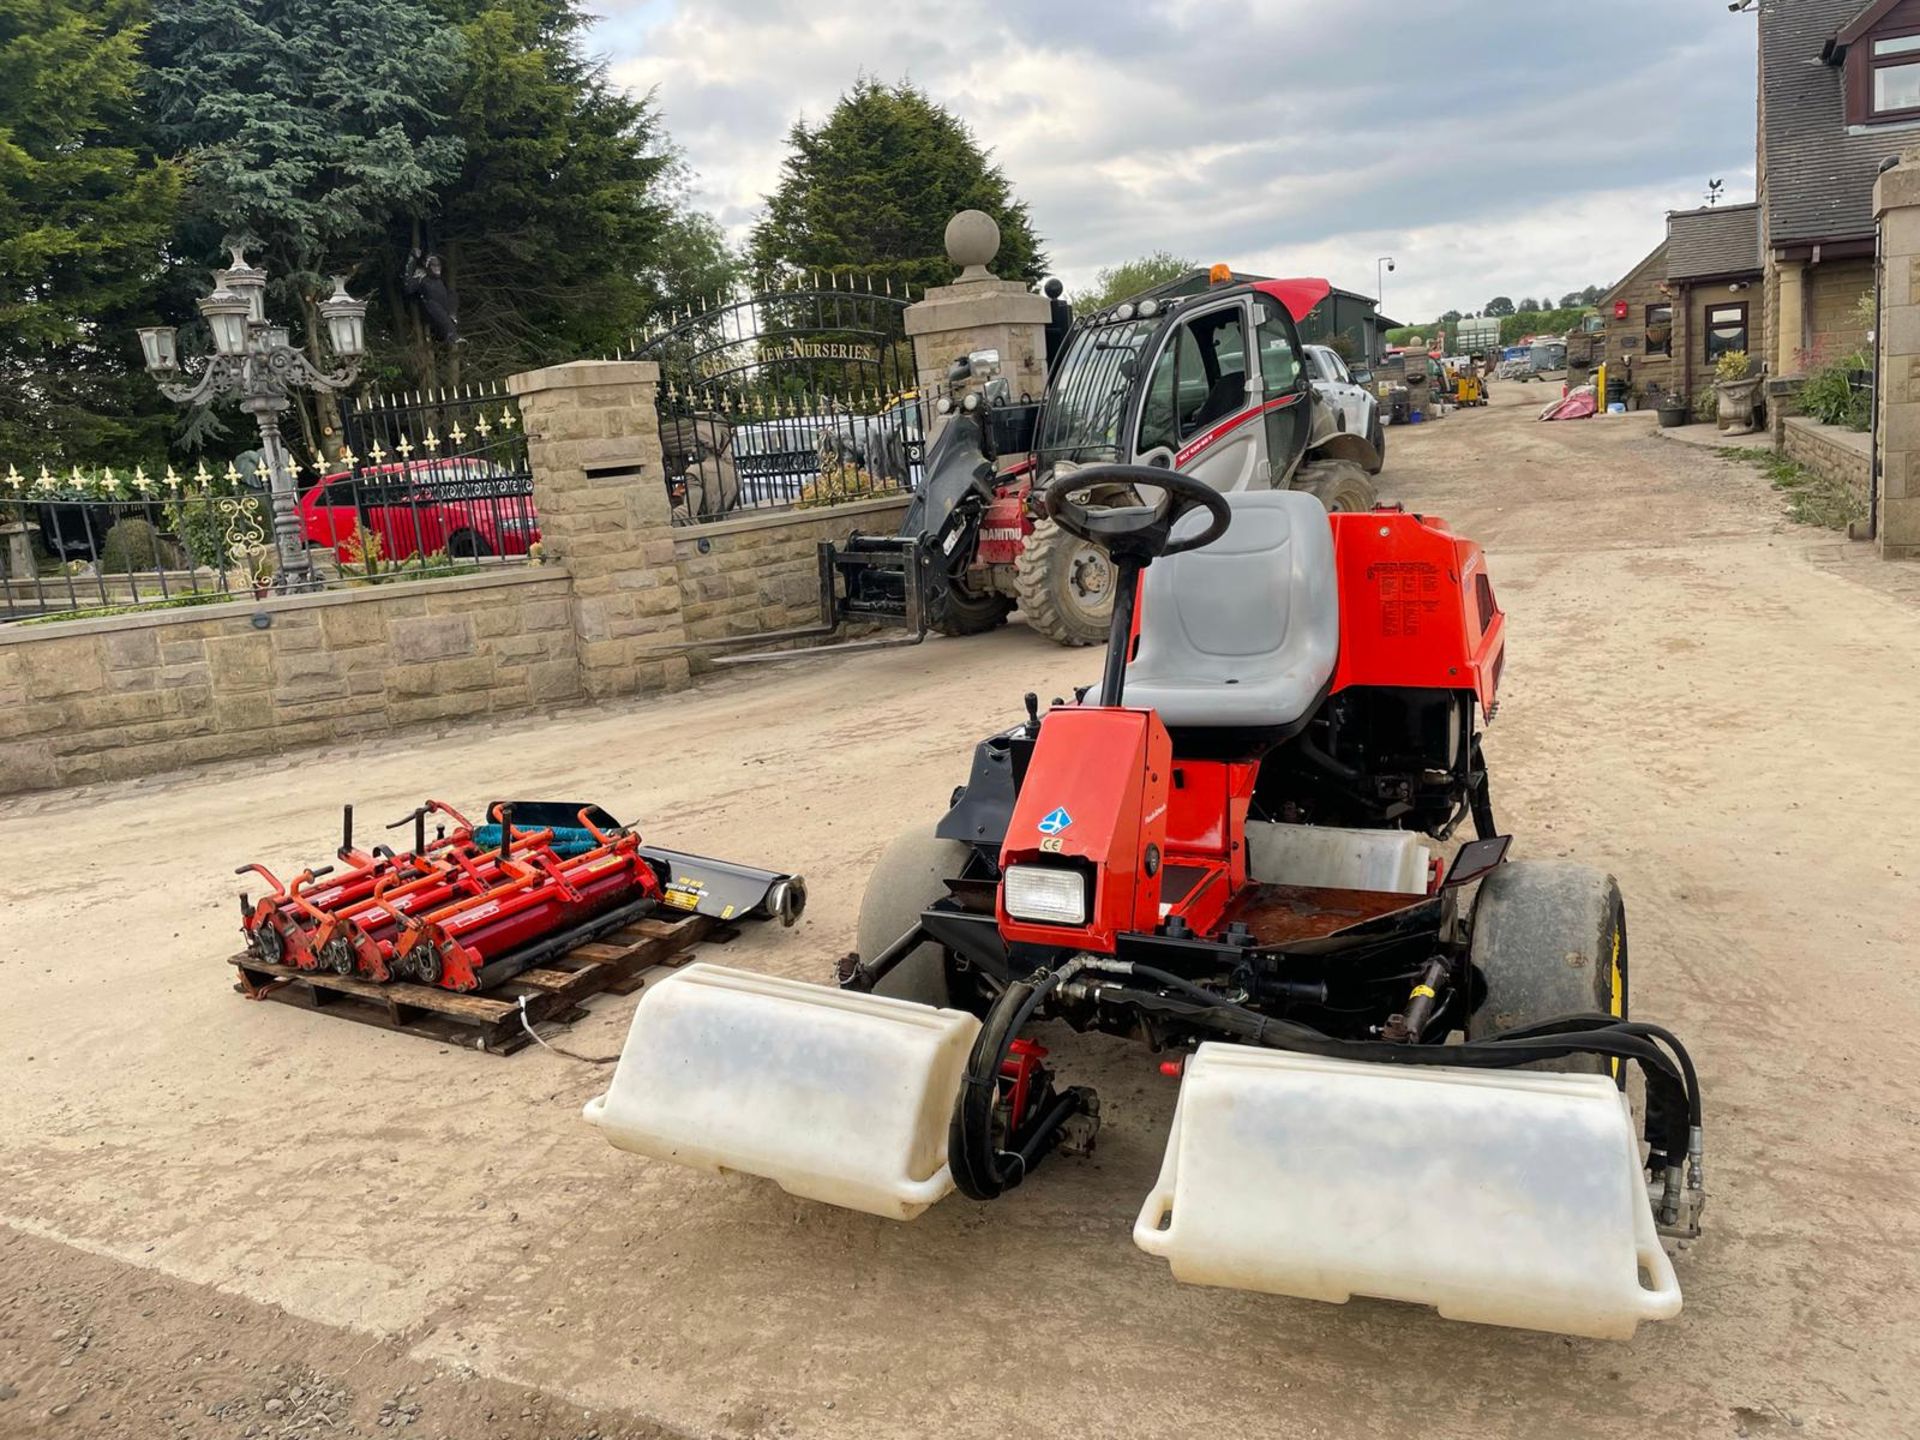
[428, 286]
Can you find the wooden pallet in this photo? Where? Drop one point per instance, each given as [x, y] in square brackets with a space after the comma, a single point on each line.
[490, 1020]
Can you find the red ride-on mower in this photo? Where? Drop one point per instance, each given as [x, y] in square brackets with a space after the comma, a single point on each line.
[1406, 1076]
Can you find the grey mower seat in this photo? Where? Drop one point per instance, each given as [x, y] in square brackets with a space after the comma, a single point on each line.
[1244, 632]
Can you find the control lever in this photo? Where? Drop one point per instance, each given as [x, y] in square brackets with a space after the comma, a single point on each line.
[419, 820]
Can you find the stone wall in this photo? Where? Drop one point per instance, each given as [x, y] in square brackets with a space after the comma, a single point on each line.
[129, 695]
[762, 572]
[620, 611]
[1834, 288]
[1829, 450]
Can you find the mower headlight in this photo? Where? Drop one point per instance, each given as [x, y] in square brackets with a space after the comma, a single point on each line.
[1046, 893]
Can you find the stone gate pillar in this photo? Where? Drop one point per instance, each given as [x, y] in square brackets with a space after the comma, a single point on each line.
[978, 311]
[1896, 205]
[600, 487]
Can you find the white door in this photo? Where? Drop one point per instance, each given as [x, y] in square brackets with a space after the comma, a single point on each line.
[1203, 403]
[1356, 399]
[1335, 383]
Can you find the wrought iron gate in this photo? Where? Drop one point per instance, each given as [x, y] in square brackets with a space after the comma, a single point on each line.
[794, 396]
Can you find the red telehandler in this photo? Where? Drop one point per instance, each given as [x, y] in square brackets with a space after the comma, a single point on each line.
[1403, 1074]
[1213, 385]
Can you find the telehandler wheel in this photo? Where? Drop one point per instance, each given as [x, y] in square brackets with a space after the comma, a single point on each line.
[952, 611]
[1549, 938]
[911, 873]
[1066, 586]
[1340, 485]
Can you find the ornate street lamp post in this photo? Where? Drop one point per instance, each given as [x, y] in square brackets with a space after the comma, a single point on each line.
[254, 362]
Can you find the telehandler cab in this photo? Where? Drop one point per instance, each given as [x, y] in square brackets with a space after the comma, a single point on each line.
[1213, 385]
[1404, 1076]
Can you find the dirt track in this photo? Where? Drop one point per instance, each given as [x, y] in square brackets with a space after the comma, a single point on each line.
[1707, 699]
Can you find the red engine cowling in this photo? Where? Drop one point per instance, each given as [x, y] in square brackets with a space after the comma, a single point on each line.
[1416, 606]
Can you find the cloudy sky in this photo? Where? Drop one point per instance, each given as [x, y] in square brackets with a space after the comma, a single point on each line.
[1489, 146]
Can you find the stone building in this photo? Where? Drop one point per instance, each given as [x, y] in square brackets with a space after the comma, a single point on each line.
[1637, 321]
[1839, 94]
[1696, 296]
[1714, 272]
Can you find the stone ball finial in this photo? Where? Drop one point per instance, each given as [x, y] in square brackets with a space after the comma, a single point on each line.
[973, 239]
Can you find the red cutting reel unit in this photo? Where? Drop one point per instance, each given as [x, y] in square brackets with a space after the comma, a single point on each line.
[474, 905]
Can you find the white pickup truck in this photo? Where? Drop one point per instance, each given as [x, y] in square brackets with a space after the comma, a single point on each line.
[1357, 407]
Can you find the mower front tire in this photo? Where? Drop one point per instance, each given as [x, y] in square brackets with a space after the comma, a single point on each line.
[911, 873]
[1340, 485]
[1549, 938]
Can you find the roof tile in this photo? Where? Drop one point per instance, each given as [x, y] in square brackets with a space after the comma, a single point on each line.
[1720, 240]
[1819, 178]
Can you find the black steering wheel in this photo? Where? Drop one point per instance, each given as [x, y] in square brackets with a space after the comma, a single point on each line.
[1142, 532]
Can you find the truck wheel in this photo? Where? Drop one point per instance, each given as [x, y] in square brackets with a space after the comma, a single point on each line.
[1340, 485]
[1549, 938]
[1065, 586]
[910, 875]
[1378, 435]
[953, 611]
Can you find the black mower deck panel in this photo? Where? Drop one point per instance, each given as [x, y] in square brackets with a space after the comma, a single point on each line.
[490, 1019]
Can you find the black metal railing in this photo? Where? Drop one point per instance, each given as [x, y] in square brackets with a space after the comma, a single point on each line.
[96, 544]
[419, 519]
[424, 487]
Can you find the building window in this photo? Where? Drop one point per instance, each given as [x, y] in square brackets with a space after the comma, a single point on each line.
[1726, 329]
[1659, 329]
[1895, 63]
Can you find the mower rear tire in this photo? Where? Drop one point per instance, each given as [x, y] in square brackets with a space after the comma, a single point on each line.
[1549, 938]
[911, 873]
[1340, 485]
[953, 611]
[1065, 586]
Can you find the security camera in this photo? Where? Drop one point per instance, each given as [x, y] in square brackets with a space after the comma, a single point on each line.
[1390, 267]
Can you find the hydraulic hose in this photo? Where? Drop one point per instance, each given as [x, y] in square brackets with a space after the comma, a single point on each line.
[1670, 1078]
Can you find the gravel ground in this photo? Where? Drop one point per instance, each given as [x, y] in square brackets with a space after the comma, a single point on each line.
[212, 1207]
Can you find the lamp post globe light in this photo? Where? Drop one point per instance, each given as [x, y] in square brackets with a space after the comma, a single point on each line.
[255, 363]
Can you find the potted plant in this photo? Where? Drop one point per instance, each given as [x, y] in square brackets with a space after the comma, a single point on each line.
[262, 564]
[1736, 391]
[1672, 408]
